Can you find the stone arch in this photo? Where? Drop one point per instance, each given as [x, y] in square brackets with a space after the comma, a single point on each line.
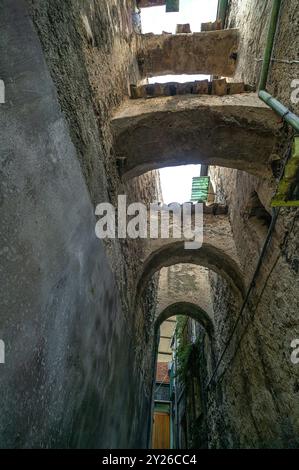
[208, 256]
[188, 309]
[231, 131]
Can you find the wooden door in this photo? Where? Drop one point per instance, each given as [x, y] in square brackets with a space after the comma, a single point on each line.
[161, 430]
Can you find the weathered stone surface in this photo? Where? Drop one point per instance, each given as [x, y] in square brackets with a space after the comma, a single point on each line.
[184, 88]
[210, 130]
[219, 87]
[138, 91]
[201, 87]
[158, 89]
[150, 3]
[198, 87]
[217, 253]
[211, 26]
[63, 311]
[202, 53]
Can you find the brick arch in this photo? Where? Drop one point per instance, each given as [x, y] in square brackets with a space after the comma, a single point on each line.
[230, 131]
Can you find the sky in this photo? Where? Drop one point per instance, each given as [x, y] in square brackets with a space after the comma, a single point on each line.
[176, 182]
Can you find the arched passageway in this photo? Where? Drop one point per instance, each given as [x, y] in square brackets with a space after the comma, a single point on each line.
[231, 131]
[208, 256]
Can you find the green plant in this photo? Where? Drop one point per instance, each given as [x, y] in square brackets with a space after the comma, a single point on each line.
[183, 350]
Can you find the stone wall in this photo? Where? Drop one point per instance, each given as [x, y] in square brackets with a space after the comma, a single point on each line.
[68, 322]
[184, 283]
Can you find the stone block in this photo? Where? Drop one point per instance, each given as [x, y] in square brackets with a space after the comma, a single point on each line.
[159, 89]
[200, 87]
[211, 26]
[149, 89]
[250, 88]
[170, 88]
[208, 53]
[179, 124]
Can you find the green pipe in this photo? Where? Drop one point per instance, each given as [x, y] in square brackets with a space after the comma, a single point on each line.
[280, 109]
[269, 44]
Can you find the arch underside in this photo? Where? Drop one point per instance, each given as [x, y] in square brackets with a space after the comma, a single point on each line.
[188, 309]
